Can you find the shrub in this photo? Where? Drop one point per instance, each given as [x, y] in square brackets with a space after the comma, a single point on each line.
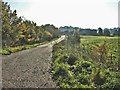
[83, 79]
[98, 79]
[63, 59]
[78, 69]
[71, 60]
[112, 84]
[85, 64]
[60, 72]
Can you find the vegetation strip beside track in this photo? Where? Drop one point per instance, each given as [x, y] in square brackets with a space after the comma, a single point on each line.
[93, 63]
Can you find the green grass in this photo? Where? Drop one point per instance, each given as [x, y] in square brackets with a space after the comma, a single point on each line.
[89, 39]
[9, 50]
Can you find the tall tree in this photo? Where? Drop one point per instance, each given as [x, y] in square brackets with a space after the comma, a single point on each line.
[19, 31]
[106, 32]
[118, 31]
[6, 28]
[115, 33]
[100, 31]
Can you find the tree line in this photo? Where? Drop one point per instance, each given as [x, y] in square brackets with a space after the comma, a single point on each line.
[18, 31]
[109, 32]
[93, 32]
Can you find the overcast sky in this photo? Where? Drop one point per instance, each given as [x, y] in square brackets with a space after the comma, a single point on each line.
[80, 13]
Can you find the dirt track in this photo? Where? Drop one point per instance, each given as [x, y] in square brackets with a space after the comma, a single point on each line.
[29, 68]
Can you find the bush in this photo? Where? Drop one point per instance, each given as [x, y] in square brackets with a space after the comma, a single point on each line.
[60, 72]
[98, 79]
[71, 60]
[85, 64]
[83, 79]
[63, 59]
[78, 69]
[112, 84]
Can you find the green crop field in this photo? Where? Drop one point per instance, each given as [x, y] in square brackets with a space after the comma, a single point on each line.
[93, 63]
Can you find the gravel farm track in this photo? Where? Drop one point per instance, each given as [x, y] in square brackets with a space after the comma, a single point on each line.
[29, 68]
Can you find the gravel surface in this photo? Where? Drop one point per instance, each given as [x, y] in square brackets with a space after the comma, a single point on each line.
[29, 68]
